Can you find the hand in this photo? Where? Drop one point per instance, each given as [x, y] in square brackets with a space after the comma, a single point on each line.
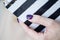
[52, 31]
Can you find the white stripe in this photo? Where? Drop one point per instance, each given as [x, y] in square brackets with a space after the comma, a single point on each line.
[7, 2]
[52, 9]
[16, 5]
[43, 30]
[31, 10]
[34, 25]
[58, 19]
[59, 0]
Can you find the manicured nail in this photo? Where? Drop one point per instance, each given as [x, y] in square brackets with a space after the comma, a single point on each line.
[29, 17]
[17, 20]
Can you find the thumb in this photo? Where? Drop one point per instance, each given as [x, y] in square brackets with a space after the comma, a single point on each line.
[30, 31]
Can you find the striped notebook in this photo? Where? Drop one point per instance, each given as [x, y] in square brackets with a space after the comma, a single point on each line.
[46, 8]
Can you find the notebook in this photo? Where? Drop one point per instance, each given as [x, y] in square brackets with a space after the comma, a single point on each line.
[46, 8]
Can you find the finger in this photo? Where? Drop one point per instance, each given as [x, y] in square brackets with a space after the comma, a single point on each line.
[31, 32]
[41, 20]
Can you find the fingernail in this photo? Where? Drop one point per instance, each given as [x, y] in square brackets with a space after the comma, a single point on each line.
[17, 20]
[29, 17]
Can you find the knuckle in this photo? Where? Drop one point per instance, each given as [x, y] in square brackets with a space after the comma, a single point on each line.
[49, 22]
[52, 22]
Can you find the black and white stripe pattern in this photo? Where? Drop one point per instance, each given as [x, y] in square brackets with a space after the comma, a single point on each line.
[10, 3]
[46, 8]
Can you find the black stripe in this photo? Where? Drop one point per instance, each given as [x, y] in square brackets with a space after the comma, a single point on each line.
[45, 7]
[39, 28]
[10, 4]
[22, 8]
[55, 14]
[27, 23]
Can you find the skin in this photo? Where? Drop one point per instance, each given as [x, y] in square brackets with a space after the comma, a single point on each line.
[52, 31]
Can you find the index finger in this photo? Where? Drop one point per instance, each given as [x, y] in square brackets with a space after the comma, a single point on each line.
[42, 20]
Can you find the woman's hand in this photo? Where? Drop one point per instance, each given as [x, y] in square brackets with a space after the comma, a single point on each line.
[52, 31]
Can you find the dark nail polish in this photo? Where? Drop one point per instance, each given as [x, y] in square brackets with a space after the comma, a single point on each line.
[17, 20]
[29, 17]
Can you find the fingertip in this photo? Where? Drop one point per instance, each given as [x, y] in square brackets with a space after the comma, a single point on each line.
[29, 17]
[19, 21]
[35, 18]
